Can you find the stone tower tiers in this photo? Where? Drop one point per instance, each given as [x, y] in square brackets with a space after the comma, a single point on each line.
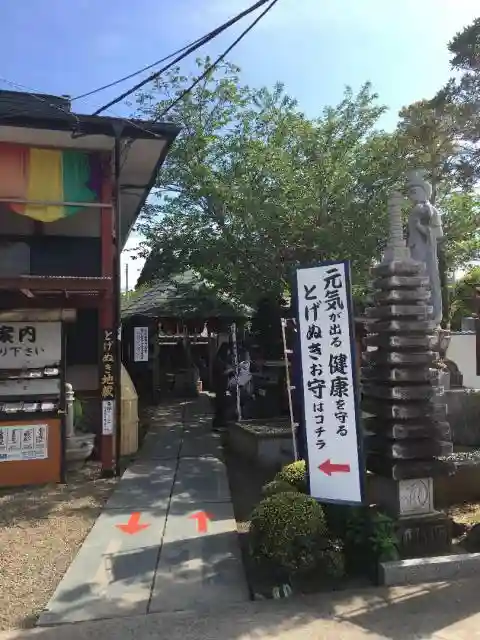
[406, 424]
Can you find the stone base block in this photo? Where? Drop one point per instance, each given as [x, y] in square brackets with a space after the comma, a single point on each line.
[402, 498]
[423, 570]
[423, 536]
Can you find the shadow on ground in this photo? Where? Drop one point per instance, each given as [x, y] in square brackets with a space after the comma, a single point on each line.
[443, 611]
[426, 611]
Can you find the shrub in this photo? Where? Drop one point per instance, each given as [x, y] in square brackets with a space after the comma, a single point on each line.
[369, 537]
[289, 530]
[295, 474]
[277, 486]
[77, 412]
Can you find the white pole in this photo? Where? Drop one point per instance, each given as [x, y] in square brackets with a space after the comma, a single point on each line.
[289, 390]
[235, 362]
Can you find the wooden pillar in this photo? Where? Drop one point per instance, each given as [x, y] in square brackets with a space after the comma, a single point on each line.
[107, 332]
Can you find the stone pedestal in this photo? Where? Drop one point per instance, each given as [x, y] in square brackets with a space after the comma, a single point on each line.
[407, 429]
[421, 530]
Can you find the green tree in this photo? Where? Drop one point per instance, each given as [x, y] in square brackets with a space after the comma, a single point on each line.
[429, 138]
[462, 92]
[461, 224]
[252, 187]
[430, 135]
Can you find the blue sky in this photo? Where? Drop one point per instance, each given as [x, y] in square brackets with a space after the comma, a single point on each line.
[315, 47]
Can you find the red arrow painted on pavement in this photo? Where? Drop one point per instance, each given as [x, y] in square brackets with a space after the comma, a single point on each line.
[329, 467]
[133, 525]
[202, 518]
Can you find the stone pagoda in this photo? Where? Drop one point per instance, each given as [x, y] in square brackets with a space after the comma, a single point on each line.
[406, 427]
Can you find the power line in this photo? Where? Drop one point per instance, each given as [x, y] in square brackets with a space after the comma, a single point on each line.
[187, 52]
[34, 93]
[216, 62]
[203, 75]
[136, 73]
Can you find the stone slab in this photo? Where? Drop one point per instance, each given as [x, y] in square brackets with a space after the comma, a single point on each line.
[113, 572]
[161, 445]
[424, 536]
[436, 569]
[403, 497]
[199, 571]
[201, 480]
[201, 444]
[144, 485]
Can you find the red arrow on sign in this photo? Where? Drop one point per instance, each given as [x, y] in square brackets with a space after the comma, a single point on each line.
[133, 525]
[202, 519]
[329, 467]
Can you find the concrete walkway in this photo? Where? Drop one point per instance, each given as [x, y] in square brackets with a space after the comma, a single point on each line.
[440, 611]
[166, 540]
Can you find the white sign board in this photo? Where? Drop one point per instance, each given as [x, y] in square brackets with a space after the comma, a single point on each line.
[327, 346]
[23, 442]
[140, 344]
[30, 345]
[108, 417]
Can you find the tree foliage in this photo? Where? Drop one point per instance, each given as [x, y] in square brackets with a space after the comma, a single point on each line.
[461, 225]
[253, 187]
[462, 93]
[465, 298]
[430, 136]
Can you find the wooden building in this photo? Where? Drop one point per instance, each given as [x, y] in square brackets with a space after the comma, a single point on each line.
[171, 330]
[71, 187]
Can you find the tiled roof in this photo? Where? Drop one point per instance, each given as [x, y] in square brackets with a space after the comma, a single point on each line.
[183, 296]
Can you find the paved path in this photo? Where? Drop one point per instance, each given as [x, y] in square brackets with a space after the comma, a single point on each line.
[441, 611]
[178, 485]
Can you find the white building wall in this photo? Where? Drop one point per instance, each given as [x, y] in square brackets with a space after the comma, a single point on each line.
[463, 351]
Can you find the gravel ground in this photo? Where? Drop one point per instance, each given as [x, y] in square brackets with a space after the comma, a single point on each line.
[41, 529]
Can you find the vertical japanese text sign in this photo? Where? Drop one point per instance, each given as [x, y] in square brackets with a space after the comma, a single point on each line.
[107, 381]
[329, 393]
[140, 344]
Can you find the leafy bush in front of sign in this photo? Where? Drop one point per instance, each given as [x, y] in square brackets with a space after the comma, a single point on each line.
[369, 538]
[295, 474]
[276, 486]
[289, 531]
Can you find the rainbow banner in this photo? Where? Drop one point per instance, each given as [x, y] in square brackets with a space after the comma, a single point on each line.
[48, 176]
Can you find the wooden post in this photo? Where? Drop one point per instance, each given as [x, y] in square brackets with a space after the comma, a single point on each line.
[107, 329]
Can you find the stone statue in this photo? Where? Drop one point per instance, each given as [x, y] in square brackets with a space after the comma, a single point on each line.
[424, 233]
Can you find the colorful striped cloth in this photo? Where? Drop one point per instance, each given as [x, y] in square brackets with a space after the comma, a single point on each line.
[48, 175]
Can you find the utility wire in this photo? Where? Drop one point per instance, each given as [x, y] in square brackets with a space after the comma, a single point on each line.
[136, 73]
[40, 98]
[187, 52]
[217, 62]
[209, 69]
[76, 134]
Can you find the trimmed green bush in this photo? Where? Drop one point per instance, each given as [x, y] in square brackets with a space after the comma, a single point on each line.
[77, 411]
[289, 530]
[276, 486]
[295, 474]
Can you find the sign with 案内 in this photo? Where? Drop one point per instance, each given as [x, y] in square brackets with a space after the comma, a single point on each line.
[30, 345]
[329, 390]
